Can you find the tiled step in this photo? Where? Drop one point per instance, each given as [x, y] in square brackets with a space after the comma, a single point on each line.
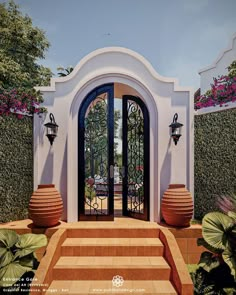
[105, 268]
[156, 287]
[112, 247]
[113, 233]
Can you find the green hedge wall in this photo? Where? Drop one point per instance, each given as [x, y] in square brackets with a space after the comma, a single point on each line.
[215, 159]
[16, 167]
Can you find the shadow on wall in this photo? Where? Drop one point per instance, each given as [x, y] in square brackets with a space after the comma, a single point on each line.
[39, 129]
[166, 170]
[63, 182]
[38, 138]
[47, 173]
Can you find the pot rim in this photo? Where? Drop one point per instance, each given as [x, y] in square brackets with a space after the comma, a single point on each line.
[176, 185]
[46, 185]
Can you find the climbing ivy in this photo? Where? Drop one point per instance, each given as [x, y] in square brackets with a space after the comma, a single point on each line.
[215, 159]
[16, 166]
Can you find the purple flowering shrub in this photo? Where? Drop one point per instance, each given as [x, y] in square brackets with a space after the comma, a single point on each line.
[222, 91]
[227, 205]
[20, 102]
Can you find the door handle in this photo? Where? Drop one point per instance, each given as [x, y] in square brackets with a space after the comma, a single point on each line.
[111, 171]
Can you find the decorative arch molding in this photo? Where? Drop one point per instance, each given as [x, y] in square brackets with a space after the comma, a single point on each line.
[130, 72]
[107, 60]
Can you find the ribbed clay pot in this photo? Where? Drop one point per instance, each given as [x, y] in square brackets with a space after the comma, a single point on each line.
[46, 206]
[177, 205]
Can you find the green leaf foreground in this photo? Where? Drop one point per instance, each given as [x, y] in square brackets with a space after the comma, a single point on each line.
[229, 257]
[11, 273]
[17, 255]
[202, 242]
[208, 261]
[216, 227]
[8, 239]
[28, 243]
[219, 237]
[232, 215]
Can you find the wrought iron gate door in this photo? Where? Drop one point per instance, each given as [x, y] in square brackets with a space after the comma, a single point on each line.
[96, 155]
[135, 158]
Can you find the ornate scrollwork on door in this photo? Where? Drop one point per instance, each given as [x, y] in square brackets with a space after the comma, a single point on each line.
[135, 157]
[96, 157]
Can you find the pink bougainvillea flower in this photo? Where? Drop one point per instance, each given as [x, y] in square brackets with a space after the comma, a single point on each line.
[223, 90]
[220, 87]
[233, 86]
[19, 103]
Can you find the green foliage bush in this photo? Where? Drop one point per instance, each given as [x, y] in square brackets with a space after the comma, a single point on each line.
[22, 45]
[214, 160]
[16, 167]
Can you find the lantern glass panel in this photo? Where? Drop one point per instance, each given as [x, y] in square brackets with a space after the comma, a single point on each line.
[175, 131]
[54, 130]
[180, 130]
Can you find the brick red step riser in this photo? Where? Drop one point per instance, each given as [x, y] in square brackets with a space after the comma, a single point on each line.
[113, 233]
[108, 274]
[112, 250]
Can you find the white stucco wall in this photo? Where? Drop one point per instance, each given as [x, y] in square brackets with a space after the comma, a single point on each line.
[219, 66]
[163, 97]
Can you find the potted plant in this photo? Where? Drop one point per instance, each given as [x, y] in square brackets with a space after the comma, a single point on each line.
[46, 206]
[177, 205]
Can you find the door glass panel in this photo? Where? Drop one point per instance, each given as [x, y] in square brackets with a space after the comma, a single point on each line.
[96, 156]
[135, 158]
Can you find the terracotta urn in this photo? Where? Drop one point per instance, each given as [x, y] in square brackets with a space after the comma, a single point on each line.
[46, 206]
[177, 205]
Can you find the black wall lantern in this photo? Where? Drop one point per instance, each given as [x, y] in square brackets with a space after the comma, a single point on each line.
[52, 128]
[175, 129]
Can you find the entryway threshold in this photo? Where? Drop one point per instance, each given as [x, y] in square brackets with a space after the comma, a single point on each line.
[119, 222]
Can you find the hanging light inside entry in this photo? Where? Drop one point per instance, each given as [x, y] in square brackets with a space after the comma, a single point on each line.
[175, 129]
[51, 129]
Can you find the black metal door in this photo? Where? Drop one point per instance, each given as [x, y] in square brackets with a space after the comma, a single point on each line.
[96, 155]
[135, 158]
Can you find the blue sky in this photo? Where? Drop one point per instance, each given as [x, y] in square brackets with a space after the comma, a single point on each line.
[178, 37]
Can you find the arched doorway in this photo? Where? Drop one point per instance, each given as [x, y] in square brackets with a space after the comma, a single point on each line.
[107, 171]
